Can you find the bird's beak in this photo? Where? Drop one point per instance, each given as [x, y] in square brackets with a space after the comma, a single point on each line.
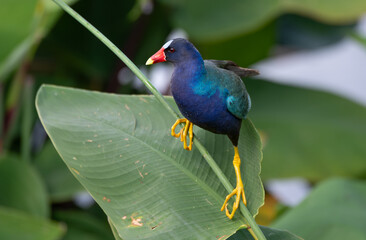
[159, 56]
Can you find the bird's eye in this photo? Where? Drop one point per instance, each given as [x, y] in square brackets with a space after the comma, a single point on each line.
[171, 50]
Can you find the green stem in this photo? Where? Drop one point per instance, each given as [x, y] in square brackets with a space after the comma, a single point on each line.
[27, 108]
[257, 233]
[2, 111]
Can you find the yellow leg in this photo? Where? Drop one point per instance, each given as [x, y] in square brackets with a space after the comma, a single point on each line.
[238, 191]
[186, 130]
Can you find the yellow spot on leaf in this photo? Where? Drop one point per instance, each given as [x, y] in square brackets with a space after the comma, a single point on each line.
[89, 140]
[76, 171]
[142, 176]
[136, 222]
[127, 107]
[106, 199]
[74, 158]
[223, 237]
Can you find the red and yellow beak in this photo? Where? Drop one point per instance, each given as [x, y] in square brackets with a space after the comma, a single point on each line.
[159, 56]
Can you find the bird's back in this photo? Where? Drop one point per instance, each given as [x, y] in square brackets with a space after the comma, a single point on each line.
[231, 87]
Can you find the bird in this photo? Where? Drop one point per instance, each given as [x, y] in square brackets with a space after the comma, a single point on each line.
[211, 95]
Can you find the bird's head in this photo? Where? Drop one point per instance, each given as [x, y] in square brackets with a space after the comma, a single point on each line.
[174, 51]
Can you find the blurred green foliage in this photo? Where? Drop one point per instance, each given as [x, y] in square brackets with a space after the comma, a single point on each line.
[310, 134]
[334, 210]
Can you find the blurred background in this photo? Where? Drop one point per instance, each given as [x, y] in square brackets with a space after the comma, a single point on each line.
[308, 103]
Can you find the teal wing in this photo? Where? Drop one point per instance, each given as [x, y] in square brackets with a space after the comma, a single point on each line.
[237, 98]
[239, 106]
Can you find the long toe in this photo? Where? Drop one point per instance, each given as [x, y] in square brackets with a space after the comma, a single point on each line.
[239, 193]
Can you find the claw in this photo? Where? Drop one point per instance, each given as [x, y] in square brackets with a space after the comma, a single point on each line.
[186, 130]
[175, 125]
[238, 191]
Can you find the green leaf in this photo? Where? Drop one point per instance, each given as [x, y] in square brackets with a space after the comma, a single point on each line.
[16, 28]
[16, 24]
[16, 225]
[114, 230]
[269, 233]
[50, 14]
[334, 210]
[302, 33]
[308, 131]
[121, 150]
[209, 20]
[61, 184]
[81, 225]
[255, 46]
[330, 11]
[22, 188]
[23, 24]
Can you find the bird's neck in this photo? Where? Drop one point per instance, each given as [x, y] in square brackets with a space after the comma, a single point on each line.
[191, 70]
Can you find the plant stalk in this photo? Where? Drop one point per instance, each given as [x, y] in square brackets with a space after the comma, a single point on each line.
[252, 225]
[27, 109]
[2, 111]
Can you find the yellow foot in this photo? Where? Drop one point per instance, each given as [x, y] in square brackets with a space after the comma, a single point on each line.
[186, 130]
[238, 191]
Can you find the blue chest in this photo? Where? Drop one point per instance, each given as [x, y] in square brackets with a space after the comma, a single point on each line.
[201, 100]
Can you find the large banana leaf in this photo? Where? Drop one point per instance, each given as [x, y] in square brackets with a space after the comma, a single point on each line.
[120, 149]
